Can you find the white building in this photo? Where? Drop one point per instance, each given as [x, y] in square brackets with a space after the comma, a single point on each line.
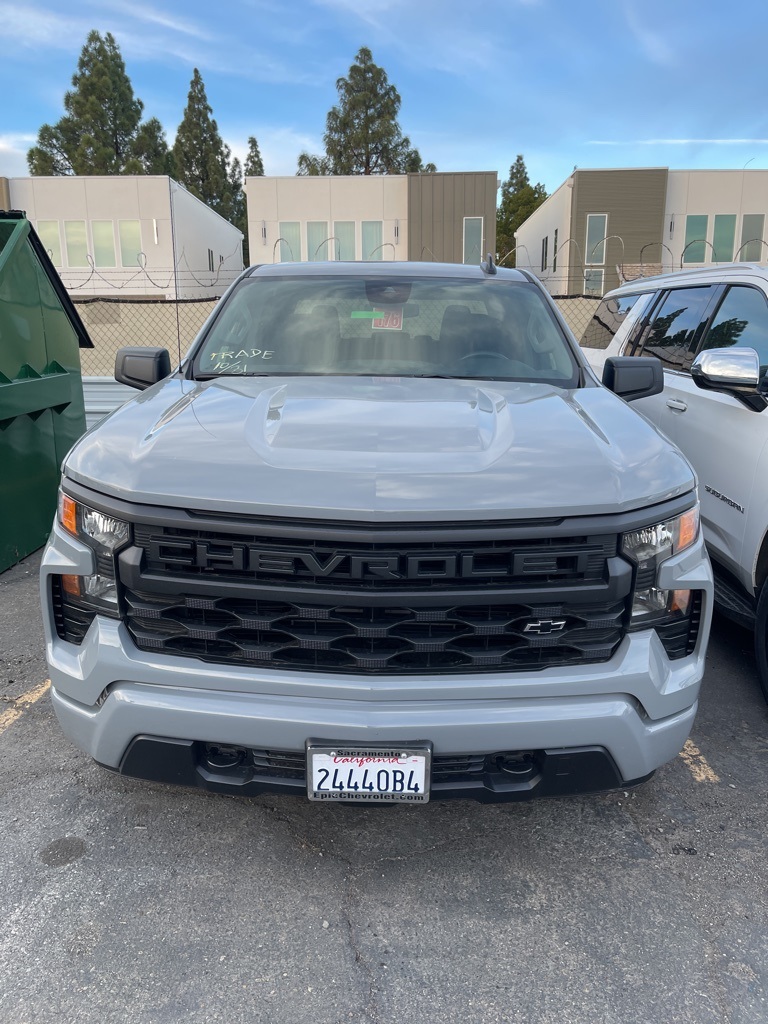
[447, 217]
[129, 236]
[604, 226]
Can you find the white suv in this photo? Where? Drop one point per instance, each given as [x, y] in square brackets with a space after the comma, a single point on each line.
[709, 328]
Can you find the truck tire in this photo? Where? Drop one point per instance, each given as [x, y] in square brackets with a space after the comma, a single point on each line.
[761, 639]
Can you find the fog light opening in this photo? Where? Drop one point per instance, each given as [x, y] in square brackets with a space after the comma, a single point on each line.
[517, 763]
[219, 757]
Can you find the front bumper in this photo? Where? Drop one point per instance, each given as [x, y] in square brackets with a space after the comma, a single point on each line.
[614, 722]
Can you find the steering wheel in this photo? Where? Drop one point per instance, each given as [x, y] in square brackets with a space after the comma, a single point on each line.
[484, 354]
[495, 357]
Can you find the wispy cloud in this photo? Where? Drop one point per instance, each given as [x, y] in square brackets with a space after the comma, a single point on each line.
[175, 41]
[677, 142]
[13, 154]
[153, 16]
[653, 44]
[34, 27]
[430, 34]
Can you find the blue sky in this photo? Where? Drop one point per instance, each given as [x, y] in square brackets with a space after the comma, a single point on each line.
[593, 83]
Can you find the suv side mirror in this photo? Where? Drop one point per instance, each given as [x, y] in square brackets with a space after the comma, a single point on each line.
[630, 377]
[140, 367]
[735, 371]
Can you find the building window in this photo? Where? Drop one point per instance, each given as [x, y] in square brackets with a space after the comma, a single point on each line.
[373, 248]
[597, 229]
[723, 237]
[317, 240]
[103, 243]
[695, 238]
[75, 241]
[473, 240]
[752, 225]
[48, 231]
[544, 252]
[554, 252]
[130, 243]
[210, 260]
[593, 283]
[290, 241]
[344, 239]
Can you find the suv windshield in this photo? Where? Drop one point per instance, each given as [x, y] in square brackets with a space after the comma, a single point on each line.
[361, 325]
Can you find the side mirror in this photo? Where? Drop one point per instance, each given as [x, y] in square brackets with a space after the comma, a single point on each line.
[734, 371]
[631, 377]
[141, 367]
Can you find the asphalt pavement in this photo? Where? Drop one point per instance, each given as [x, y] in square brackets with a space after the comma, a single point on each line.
[127, 902]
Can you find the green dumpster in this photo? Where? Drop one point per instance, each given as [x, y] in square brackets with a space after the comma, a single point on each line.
[41, 389]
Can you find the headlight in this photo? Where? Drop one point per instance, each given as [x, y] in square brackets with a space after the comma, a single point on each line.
[105, 531]
[648, 548]
[653, 544]
[106, 535]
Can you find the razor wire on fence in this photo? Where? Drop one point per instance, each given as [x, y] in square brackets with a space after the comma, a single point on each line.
[178, 281]
[113, 323]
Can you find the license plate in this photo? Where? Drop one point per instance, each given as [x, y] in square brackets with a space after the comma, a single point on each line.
[368, 774]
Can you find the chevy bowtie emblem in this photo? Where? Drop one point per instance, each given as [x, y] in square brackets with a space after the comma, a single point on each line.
[543, 626]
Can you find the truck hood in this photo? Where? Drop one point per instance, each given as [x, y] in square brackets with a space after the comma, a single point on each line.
[383, 449]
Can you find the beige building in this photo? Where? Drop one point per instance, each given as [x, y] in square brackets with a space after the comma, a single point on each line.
[601, 227]
[128, 236]
[443, 216]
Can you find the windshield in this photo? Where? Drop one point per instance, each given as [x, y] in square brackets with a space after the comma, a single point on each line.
[428, 327]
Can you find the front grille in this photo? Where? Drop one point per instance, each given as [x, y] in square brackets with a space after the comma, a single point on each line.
[311, 560]
[373, 598]
[363, 639]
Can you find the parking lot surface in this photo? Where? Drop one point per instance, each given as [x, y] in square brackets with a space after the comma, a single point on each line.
[126, 902]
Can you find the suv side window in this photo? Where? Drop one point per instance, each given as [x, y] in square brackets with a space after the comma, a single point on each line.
[673, 333]
[741, 321]
[607, 319]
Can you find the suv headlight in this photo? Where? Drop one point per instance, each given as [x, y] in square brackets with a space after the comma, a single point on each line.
[648, 548]
[106, 535]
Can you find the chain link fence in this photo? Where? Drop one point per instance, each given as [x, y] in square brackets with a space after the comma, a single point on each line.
[577, 311]
[112, 323]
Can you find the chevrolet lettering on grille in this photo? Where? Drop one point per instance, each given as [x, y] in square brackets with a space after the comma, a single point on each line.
[242, 557]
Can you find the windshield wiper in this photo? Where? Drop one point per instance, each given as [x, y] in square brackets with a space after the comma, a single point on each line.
[215, 376]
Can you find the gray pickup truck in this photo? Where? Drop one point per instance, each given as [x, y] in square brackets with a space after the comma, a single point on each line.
[382, 536]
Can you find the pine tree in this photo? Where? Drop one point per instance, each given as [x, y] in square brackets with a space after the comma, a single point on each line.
[97, 133]
[518, 201]
[150, 150]
[362, 134]
[310, 166]
[518, 176]
[254, 165]
[201, 160]
[236, 212]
